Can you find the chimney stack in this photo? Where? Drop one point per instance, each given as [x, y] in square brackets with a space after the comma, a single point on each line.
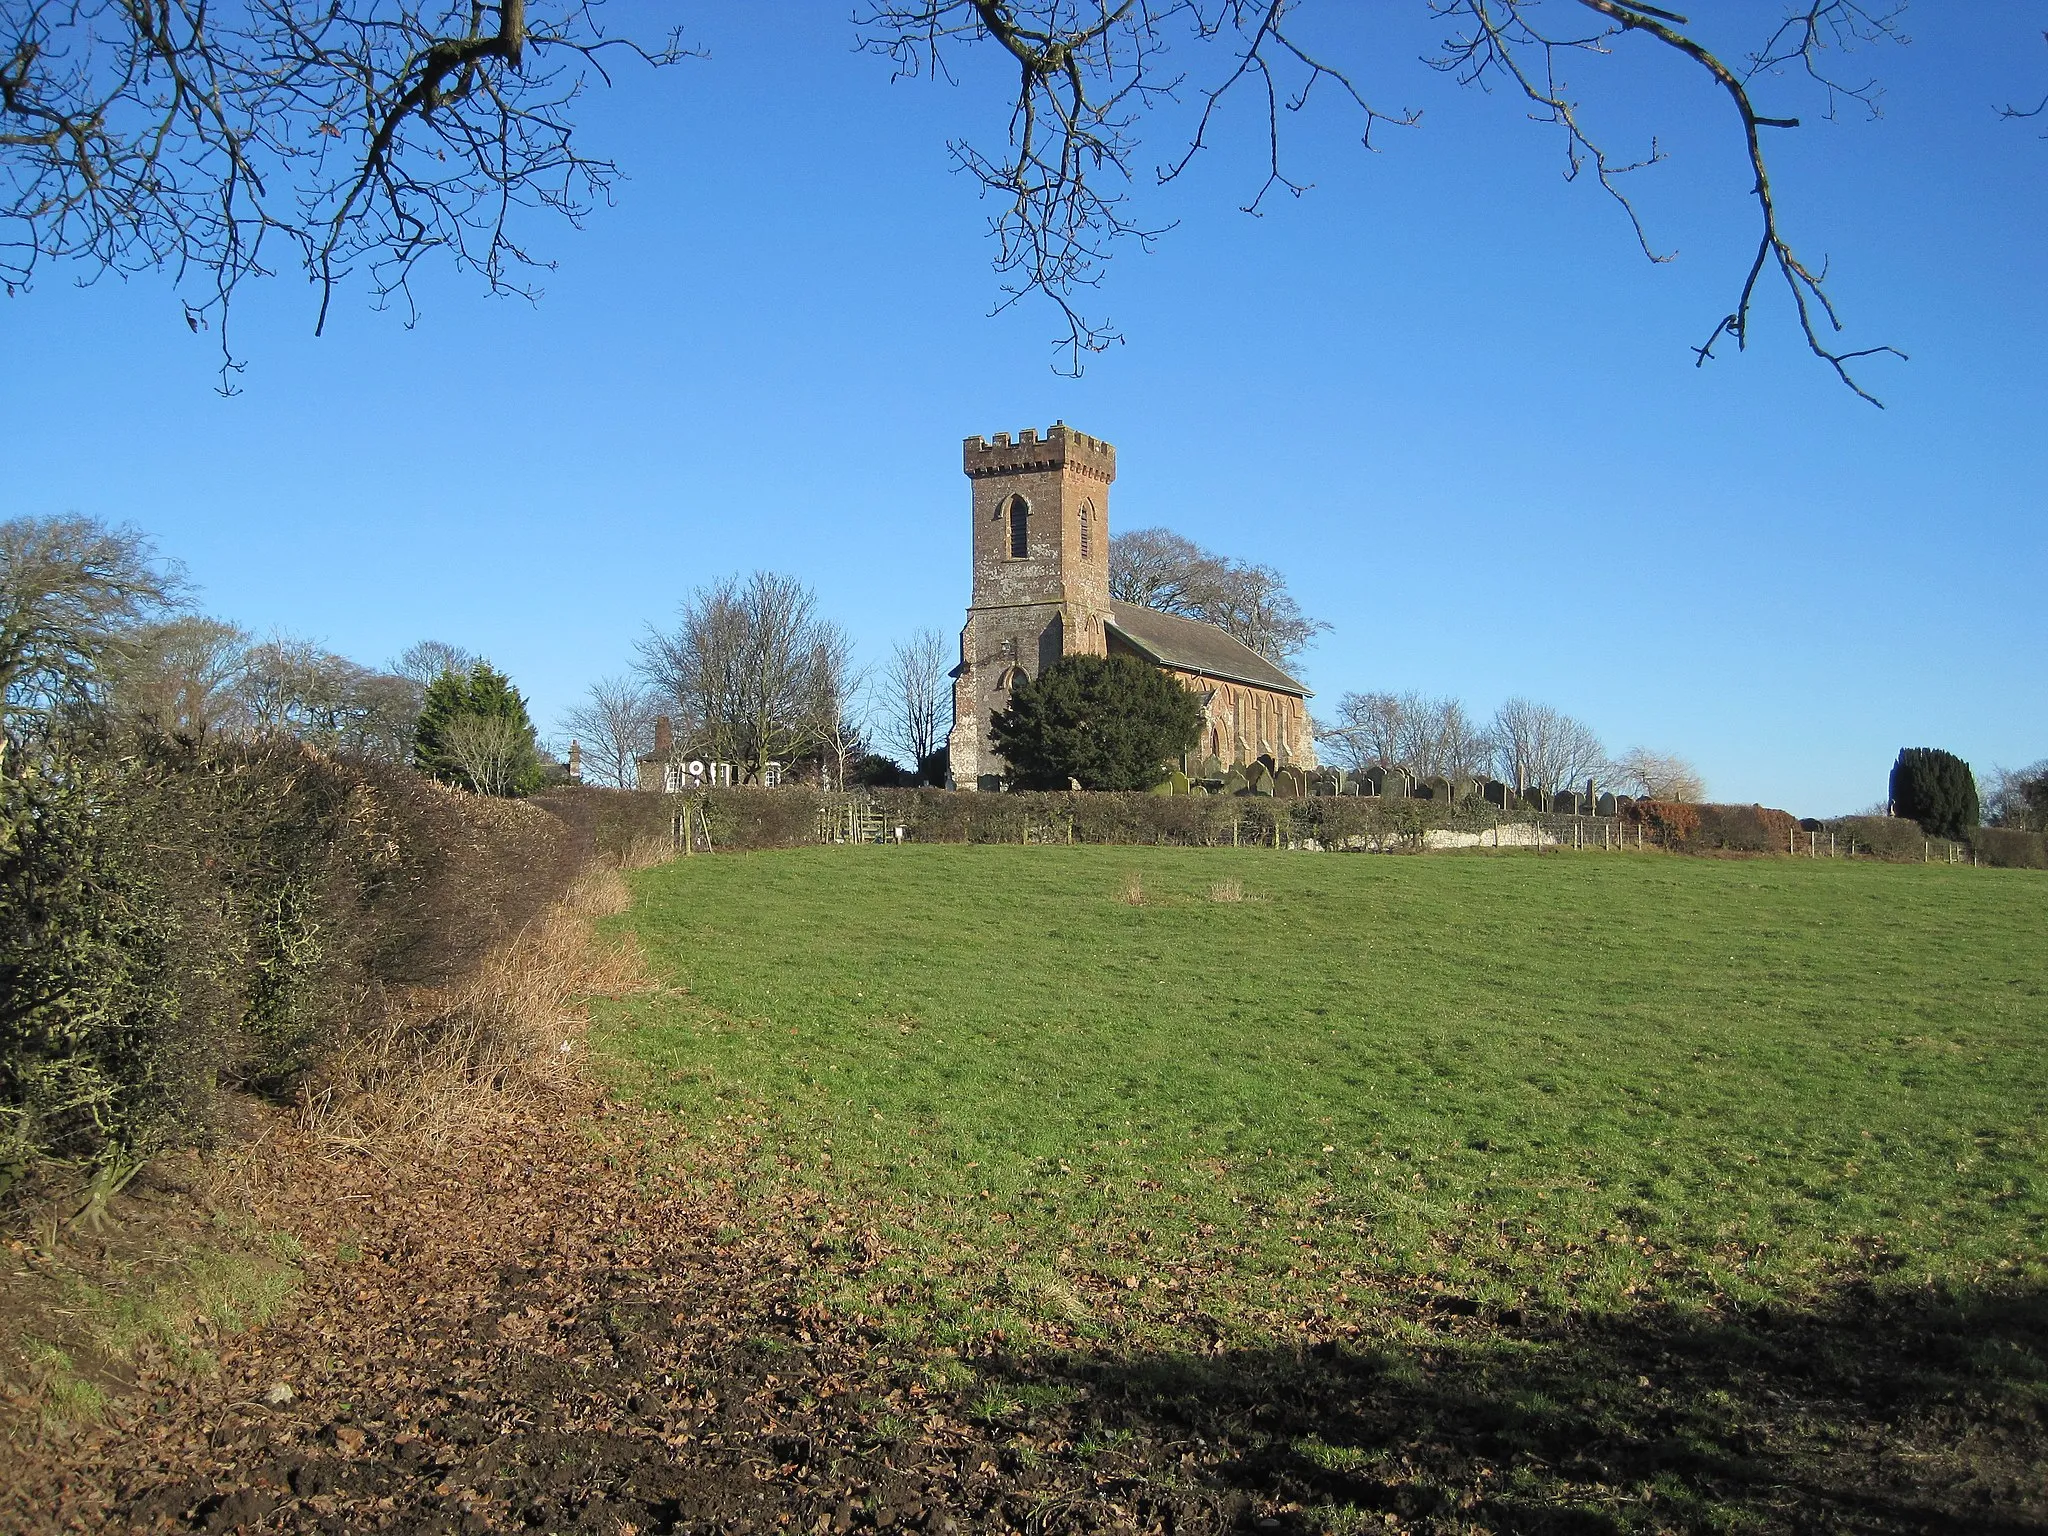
[664, 737]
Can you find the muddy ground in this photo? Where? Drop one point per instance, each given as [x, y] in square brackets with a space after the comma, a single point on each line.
[535, 1328]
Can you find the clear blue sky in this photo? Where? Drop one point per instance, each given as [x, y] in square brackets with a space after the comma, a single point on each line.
[1442, 392]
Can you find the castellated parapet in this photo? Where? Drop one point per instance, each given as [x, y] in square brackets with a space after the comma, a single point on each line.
[1061, 448]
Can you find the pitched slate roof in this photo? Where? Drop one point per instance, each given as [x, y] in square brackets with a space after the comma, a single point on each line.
[1192, 645]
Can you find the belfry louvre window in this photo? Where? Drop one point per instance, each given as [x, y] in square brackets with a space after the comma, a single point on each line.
[1087, 532]
[1020, 528]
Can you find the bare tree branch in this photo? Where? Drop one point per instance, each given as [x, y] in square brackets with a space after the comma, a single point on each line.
[364, 135]
[914, 694]
[2011, 111]
[1087, 73]
[615, 727]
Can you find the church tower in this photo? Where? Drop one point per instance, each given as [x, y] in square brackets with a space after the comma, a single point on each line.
[1041, 576]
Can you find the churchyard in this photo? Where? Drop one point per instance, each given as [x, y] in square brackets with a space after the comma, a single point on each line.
[1582, 1193]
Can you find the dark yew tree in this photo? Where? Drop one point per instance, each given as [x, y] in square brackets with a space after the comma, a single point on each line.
[1936, 789]
[1108, 722]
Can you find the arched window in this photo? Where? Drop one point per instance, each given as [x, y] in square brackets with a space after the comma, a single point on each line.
[1087, 531]
[1020, 528]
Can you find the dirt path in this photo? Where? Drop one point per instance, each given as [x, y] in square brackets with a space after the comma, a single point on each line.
[531, 1332]
[536, 1328]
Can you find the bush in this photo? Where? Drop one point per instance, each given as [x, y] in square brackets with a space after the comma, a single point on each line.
[1105, 722]
[1741, 829]
[1935, 789]
[1884, 837]
[2010, 848]
[182, 920]
[1672, 822]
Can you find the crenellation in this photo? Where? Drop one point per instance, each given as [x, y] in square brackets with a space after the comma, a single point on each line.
[1059, 448]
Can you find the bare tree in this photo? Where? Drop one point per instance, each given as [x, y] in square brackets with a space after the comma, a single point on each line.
[425, 660]
[1659, 776]
[291, 686]
[914, 697]
[842, 742]
[1155, 568]
[1083, 79]
[1537, 747]
[489, 750]
[2018, 798]
[1367, 732]
[352, 136]
[754, 669]
[1429, 738]
[1438, 740]
[615, 726]
[71, 589]
[180, 675]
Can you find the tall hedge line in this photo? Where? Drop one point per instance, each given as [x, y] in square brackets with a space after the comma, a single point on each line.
[176, 921]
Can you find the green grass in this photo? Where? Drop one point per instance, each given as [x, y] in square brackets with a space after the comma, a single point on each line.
[1584, 1082]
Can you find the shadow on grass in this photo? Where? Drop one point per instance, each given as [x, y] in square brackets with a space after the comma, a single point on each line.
[1869, 1414]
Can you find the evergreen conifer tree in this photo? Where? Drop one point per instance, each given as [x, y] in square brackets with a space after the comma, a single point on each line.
[474, 731]
[1109, 722]
[1936, 789]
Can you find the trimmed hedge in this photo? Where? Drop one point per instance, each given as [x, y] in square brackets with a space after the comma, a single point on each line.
[742, 820]
[177, 921]
[628, 825]
[1744, 829]
[2010, 848]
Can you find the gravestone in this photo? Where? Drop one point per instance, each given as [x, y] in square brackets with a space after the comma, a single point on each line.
[1235, 783]
[1395, 784]
[1371, 780]
[1176, 783]
[1262, 779]
[1212, 767]
[1535, 799]
[1564, 803]
[1496, 793]
[1603, 805]
[1437, 789]
[1288, 783]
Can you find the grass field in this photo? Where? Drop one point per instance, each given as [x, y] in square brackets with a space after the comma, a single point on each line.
[1576, 1192]
[1276, 1081]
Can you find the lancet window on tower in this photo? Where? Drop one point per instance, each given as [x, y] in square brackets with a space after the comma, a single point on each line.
[1087, 532]
[1020, 528]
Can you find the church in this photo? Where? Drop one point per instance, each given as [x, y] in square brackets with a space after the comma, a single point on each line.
[1041, 591]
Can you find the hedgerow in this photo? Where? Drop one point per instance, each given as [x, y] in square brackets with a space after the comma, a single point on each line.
[179, 921]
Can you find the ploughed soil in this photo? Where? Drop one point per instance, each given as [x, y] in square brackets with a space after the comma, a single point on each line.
[562, 1320]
